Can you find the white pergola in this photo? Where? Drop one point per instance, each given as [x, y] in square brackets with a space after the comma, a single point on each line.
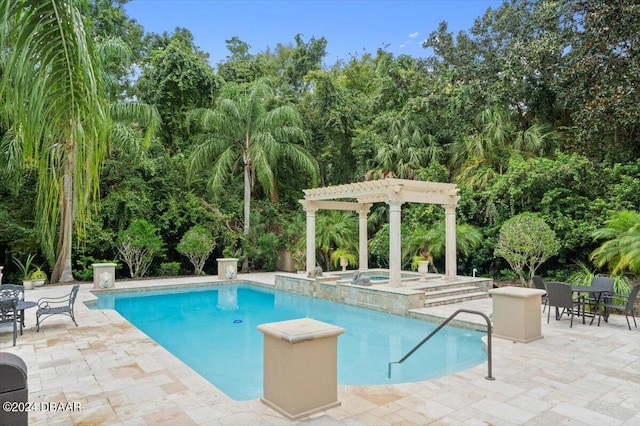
[394, 192]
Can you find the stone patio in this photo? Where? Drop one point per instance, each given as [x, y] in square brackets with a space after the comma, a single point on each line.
[582, 375]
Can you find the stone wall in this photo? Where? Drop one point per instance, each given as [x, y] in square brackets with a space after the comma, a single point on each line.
[393, 300]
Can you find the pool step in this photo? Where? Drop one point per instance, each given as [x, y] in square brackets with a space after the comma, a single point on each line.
[440, 285]
[446, 300]
[452, 292]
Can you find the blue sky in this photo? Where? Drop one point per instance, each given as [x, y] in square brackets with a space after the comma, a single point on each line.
[351, 27]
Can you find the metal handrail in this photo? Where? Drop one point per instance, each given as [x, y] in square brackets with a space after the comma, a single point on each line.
[488, 377]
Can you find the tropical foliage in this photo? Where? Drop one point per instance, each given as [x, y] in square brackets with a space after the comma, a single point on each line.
[531, 110]
[621, 250]
[53, 72]
[430, 243]
[244, 129]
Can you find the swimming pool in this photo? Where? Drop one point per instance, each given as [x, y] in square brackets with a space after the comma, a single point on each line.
[214, 331]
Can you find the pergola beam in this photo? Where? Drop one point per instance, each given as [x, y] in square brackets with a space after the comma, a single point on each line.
[430, 197]
[335, 205]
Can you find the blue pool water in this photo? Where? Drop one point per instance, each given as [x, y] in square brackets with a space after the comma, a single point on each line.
[214, 331]
[378, 278]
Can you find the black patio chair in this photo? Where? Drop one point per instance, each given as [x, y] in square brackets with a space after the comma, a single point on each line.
[48, 306]
[539, 284]
[628, 304]
[561, 296]
[593, 299]
[9, 313]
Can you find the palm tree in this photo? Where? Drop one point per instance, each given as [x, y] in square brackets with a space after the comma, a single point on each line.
[485, 154]
[335, 230]
[58, 118]
[243, 130]
[621, 251]
[431, 243]
[408, 151]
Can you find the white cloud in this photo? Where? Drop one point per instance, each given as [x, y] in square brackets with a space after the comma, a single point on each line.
[413, 35]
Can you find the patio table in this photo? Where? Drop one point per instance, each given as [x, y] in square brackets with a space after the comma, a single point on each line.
[20, 307]
[597, 294]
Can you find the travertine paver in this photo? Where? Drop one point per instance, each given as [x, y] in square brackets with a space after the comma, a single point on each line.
[118, 376]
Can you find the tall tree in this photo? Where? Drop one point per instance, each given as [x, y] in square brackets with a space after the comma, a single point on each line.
[53, 76]
[243, 129]
[511, 56]
[58, 117]
[240, 66]
[600, 80]
[485, 154]
[109, 20]
[339, 100]
[176, 78]
[407, 151]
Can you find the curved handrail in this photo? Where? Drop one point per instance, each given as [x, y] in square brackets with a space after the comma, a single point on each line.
[468, 311]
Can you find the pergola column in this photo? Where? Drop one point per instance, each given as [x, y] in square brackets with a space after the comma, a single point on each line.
[311, 239]
[395, 250]
[450, 254]
[363, 249]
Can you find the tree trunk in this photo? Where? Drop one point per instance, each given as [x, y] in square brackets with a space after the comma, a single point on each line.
[62, 271]
[247, 205]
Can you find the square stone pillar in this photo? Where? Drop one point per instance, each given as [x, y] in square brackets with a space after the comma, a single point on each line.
[227, 268]
[516, 313]
[104, 275]
[300, 366]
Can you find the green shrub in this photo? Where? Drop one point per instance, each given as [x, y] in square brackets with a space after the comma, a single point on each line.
[262, 252]
[197, 244]
[169, 269]
[85, 270]
[525, 242]
[138, 245]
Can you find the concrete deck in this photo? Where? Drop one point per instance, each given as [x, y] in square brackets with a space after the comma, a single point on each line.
[585, 375]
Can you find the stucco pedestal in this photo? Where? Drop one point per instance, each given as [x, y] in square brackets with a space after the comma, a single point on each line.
[227, 268]
[104, 275]
[516, 313]
[300, 366]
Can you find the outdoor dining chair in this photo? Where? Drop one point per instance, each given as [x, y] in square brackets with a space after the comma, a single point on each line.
[627, 304]
[561, 296]
[539, 284]
[594, 299]
[8, 291]
[63, 305]
[9, 314]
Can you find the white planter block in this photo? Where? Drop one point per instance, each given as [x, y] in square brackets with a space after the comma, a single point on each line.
[104, 275]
